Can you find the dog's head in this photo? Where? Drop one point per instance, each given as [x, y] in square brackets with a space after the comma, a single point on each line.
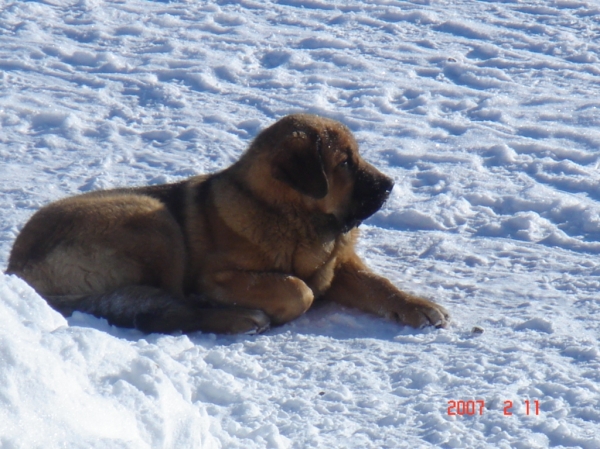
[314, 161]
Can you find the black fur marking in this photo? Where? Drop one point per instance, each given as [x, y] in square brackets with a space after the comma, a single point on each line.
[173, 196]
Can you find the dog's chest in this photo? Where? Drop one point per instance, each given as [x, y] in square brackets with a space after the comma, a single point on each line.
[309, 259]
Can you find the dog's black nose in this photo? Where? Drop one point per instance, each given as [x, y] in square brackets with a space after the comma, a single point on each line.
[390, 185]
[387, 184]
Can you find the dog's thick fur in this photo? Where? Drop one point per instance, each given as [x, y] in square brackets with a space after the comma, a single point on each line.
[236, 251]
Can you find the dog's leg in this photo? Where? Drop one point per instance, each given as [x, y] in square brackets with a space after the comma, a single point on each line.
[354, 285]
[153, 310]
[282, 297]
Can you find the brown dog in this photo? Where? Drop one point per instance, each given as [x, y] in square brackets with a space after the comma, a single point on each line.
[230, 252]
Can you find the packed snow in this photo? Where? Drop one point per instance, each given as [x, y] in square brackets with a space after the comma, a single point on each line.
[486, 114]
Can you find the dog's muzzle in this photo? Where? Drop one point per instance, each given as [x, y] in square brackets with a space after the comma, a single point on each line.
[370, 192]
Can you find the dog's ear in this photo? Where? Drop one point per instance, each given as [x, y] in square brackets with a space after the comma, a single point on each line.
[299, 164]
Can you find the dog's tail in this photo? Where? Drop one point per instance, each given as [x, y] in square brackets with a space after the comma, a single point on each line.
[151, 309]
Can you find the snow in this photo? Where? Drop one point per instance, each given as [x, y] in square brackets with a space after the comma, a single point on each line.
[486, 114]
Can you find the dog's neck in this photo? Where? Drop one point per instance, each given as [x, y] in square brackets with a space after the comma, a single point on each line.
[296, 224]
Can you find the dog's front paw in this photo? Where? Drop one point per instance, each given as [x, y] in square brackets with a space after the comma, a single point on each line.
[250, 322]
[418, 313]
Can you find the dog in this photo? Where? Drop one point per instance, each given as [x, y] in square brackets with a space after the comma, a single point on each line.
[236, 251]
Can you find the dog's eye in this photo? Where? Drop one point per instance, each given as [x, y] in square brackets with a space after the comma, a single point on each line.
[345, 164]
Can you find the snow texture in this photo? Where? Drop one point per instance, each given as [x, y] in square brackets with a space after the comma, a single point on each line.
[487, 115]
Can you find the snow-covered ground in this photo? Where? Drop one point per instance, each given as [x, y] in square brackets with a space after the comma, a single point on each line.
[487, 115]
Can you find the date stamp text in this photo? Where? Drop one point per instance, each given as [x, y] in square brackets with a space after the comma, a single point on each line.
[477, 407]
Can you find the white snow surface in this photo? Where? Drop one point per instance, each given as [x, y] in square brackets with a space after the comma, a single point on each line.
[486, 114]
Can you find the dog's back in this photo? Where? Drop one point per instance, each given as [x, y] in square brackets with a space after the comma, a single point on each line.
[102, 241]
[121, 255]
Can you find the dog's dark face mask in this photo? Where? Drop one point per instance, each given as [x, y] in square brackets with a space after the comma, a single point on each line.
[371, 189]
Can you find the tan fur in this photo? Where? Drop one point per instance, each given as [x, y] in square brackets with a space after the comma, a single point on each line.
[260, 240]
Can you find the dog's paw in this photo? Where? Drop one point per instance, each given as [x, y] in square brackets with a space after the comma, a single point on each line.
[251, 322]
[419, 313]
